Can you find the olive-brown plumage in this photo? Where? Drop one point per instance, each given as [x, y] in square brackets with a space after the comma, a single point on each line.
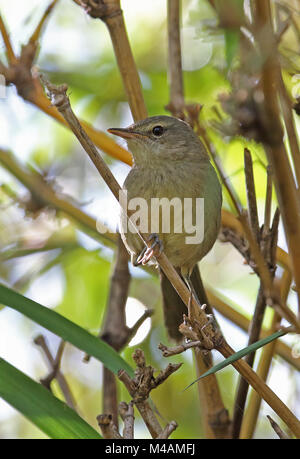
[171, 162]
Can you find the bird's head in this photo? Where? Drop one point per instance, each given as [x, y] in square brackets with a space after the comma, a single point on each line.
[161, 138]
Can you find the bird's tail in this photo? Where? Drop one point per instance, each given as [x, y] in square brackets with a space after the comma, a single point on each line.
[174, 307]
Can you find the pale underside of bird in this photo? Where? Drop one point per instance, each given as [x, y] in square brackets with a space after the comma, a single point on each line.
[170, 162]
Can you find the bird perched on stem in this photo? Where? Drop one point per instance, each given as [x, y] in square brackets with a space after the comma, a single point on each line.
[177, 192]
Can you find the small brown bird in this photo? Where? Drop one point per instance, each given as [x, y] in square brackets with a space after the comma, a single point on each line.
[171, 162]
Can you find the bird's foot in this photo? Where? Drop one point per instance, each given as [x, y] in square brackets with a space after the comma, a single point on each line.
[154, 250]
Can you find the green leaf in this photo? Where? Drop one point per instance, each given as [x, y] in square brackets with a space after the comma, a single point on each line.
[238, 355]
[38, 405]
[86, 277]
[65, 329]
[232, 40]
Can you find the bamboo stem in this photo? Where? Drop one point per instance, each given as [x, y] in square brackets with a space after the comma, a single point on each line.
[115, 23]
[252, 412]
[268, 395]
[276, 153]
[214, 415]
[174, 59]
[284, 351]
[212, 337]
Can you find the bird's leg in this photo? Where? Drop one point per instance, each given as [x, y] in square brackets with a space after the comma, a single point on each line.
[147, 253]
[189, 283]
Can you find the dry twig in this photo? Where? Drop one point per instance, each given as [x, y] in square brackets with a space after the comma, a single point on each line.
[55, 372]
[140, 387]
[282, 435]
[210, 338]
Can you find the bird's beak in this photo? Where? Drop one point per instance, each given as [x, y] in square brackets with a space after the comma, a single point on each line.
[125, 133]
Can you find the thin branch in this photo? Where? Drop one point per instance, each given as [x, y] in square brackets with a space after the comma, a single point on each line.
[209, 392]
[108, 428]
[176, 105]
[275, 149]
[254, 333]
[60, 99]
[126, 412]
[109, 11]
[37, 32]
[109, 395]
[284, 351]
[251, 193]
[169, 351]
[265, 392]
[168, 430]
[252, 412]
[11, 57]
[55, 371]
[282, 435]
[287, 111]
[231, 223]
[212, 337]
[44, 195]
[267, 243]
[115, 332]
[140, 387]
[272, 296]
[24, 77]
[224, 178]
[268, 202]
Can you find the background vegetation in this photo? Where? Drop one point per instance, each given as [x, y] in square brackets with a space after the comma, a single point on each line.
[56, 257]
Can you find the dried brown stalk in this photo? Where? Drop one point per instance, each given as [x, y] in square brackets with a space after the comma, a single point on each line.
[126, 412]
[224, 178]
[251, 194]
[282, 435]
[43, 190]
[215, 426]
[284, 351]
[55, 372]
[32, 92]
[252, 412]
[44, 195]
[20, 73]
[287, 111]
[11, 57]
[275, 149]
[38, 31]
[176, 105]
[268, 242]
[168, 430]
[109, 11]
[265, 392]
[255, 252]
[108, 428]
[210, 338]
[140, 387]
[115, 331]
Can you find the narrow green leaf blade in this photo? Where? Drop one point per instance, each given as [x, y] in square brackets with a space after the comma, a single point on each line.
[38, 405]
[64, 328]
[240, 354]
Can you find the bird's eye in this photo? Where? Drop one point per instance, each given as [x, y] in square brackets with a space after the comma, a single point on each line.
[158, 131]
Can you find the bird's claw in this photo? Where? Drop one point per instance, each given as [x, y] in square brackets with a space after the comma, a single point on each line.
[154, 250]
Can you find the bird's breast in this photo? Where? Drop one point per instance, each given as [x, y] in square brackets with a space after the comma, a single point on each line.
[165, 193]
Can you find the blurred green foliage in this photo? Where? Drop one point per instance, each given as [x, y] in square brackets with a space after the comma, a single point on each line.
[89, 68]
